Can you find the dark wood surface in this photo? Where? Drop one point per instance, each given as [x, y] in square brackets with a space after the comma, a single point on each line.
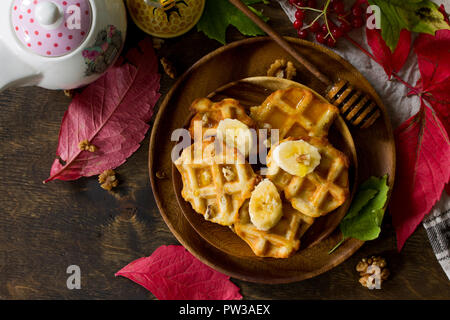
[46, 228]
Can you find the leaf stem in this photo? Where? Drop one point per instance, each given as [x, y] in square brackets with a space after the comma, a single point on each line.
[356, 44]
[337, 246]
[395, 75]
[398, 78]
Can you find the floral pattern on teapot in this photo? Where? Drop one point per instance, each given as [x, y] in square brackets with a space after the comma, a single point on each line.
[106, 48]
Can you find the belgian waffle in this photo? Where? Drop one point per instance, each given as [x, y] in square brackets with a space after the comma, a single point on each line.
[216, 180]
[282, 240]
[208, 114]
[295, 112]
[320, 191]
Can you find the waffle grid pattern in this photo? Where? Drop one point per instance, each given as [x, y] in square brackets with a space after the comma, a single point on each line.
[209, 114]
[321, 191]
[296, 112]
[211, 192]
[279, 242]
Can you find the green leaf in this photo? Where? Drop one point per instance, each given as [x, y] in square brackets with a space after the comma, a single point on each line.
[363, 227]
[379, 201]
[219, 14]
[365, 215]
[421, 16]
[363, 219]
[363, 197]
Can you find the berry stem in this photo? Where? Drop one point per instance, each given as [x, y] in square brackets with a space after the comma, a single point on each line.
[315, 19]
[308, 8]
[325, 8]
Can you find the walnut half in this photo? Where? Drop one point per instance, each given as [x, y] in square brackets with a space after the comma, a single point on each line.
[282, 69]
[168, 67]
[108, 180]
[85, 145]
[373, 271]
[228, 173]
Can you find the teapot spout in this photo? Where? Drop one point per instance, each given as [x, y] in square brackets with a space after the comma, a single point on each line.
[15, 73]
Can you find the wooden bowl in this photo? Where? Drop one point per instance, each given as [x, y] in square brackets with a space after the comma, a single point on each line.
[249, 58]
[251, 92]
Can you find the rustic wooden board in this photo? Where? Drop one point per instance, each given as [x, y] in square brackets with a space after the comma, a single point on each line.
[46, 228]
[249, 58]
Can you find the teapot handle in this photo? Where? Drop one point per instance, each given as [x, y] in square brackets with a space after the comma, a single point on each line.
[15, 73]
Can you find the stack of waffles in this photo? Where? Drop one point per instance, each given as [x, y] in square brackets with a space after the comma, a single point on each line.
[270, 209]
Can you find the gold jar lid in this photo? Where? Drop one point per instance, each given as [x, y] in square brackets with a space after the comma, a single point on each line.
[166, 18]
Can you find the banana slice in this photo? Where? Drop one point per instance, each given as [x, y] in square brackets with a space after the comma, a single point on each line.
[265, 207]
[235, 134]
[296, 157]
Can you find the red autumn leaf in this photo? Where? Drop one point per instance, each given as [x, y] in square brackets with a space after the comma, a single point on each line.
[390, 61]
[434, 65]
[433, 57]
[443, 112]
[422, 142]
[423, 153]
[172, 273]
[112, 114]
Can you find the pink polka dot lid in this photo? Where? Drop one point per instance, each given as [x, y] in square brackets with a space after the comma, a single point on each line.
[51, 28]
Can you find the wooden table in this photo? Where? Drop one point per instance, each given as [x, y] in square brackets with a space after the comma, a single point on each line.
[46, 228]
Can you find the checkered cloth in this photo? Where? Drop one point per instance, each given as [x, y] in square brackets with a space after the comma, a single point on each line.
[437, 222]
[437, 225]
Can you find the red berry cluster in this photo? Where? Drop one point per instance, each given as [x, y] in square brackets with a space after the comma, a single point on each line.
[330, 31]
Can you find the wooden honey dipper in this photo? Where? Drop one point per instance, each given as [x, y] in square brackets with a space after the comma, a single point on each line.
[356, 107]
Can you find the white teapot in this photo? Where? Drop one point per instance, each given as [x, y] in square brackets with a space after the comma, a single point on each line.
[59, 44]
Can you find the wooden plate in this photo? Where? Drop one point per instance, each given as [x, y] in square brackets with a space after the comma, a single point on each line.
[251, 92]
[249, 58]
